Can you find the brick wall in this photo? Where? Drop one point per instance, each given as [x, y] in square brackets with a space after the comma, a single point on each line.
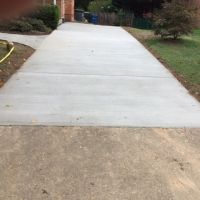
[43, 2]
[69, 10]
[66, 8]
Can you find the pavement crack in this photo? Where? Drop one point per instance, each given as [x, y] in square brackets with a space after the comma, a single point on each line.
[105, 75]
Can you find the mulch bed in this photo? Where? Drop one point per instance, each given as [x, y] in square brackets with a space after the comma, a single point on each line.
[31, 33]
[14, 62]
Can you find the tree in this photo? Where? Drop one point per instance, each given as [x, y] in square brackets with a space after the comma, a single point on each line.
[101, 5]
[138, 6]
[176, 18]
[82, 4]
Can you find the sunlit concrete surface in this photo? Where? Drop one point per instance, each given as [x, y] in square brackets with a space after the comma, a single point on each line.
[33, 41]
[89, 75]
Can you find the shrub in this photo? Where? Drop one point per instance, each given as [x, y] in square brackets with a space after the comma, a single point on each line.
[20, 26]
[38, 25]
[49, 14]
[24, 25]
[82, 4]
[176, 18]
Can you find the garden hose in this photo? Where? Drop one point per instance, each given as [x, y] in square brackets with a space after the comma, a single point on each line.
[8, 54]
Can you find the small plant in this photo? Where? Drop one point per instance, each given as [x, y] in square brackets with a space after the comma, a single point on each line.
[49, 14]
[20, 26]
[24, 25]
[38, 25]
[176, 18]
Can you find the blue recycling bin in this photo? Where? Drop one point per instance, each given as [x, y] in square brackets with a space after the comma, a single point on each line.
[94, 19]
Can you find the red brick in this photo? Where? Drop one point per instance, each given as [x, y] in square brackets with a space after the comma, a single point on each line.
[66, 8]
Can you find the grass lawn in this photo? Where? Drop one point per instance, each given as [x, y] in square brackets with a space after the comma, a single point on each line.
[181, 57]
[14, 62]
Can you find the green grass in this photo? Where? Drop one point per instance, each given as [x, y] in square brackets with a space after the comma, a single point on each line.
[182, 57]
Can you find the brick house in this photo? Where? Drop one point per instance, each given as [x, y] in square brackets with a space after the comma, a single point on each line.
[66, 8]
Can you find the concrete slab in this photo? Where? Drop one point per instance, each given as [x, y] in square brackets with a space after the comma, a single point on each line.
[33, 41]
[91, 75]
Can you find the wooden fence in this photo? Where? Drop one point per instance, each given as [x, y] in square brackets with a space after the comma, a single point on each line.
[197, 3]
[123, 19]
[113, 19]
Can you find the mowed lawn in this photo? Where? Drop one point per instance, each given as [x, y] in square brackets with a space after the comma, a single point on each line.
[181, 57]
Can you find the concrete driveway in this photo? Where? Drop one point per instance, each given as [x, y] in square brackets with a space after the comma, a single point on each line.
[33, 41]
[90, 75]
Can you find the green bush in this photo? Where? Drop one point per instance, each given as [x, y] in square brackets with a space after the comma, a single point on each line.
[38, 25]
[176, 18]
[49, 14]
[101, 6]
[19, 26]
[24, 25]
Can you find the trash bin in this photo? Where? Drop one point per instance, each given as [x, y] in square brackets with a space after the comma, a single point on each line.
[94, 19]
[79, 15]
[87, 16]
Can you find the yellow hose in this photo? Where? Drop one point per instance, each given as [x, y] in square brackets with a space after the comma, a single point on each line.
[8, 54]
